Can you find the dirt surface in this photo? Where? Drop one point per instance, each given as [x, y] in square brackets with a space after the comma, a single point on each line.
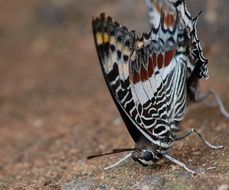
[55, 109]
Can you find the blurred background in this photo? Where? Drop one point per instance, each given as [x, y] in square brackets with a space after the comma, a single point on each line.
[54, 106]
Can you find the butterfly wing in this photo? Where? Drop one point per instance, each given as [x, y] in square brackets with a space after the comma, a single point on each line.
[140, 74]
[197, 67]
[196, 52]
[198, 63]
[114, 45]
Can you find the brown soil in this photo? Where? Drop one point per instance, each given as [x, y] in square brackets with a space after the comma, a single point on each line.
[55, 109]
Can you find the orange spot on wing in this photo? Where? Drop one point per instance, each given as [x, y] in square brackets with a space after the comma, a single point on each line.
[106, 38]
[144, 74]
[150, 67]
[136, 77]
[170, 20]
[168, 57]
[160, 61]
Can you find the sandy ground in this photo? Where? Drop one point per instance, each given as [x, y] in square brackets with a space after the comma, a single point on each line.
[55, 109]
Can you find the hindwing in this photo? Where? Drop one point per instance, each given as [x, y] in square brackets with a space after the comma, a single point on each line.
[197, 67]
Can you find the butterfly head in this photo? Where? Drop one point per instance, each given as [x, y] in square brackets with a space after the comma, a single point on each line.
[146, 156]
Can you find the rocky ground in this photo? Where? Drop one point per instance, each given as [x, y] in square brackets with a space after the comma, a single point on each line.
[55, 109]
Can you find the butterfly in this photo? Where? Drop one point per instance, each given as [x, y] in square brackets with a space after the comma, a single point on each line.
[153, 78]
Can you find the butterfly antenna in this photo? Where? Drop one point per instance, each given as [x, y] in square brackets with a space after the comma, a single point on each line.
[118, 162]
[115, 151]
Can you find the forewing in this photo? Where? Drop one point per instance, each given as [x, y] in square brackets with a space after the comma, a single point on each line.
[114, 45]
[137, 73]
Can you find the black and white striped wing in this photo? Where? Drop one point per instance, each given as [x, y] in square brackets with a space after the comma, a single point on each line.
[140, 74]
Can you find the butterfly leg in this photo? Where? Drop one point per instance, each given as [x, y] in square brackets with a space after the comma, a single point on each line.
[201, 137]
[218, 101]
[118, 162]
[179, 163]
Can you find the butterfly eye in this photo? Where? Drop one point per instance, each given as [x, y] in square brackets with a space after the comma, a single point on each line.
[147, 156]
